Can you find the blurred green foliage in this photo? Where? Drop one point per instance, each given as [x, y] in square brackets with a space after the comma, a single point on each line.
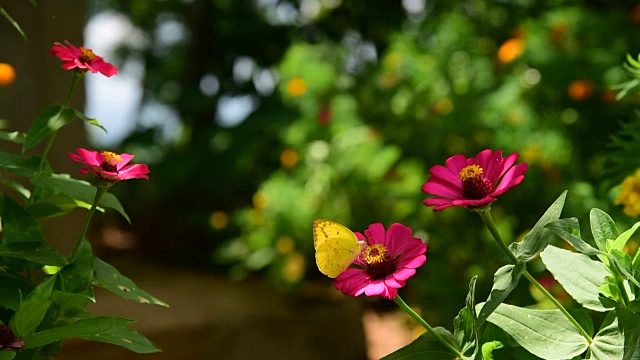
[368, 98]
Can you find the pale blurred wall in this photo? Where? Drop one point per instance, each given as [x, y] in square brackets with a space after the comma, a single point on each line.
[41, 81]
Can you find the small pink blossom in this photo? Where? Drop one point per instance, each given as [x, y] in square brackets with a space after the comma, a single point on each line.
[473, 182]
[81, 58]
[385, 263]
[108, 165]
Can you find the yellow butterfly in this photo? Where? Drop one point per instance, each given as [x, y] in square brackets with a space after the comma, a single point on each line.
[336, 247]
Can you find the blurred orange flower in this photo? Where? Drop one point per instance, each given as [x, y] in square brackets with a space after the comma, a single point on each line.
[296, 86]
[7, 75]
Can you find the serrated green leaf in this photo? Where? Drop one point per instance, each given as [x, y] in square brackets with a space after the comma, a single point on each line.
[559, 227]
[50, 120]
[18, 164]
[603, 228]
[18, 225]
[80, 115]
[80, 328]
[35, 252]
[578, 274]
[108, 277]
[425, 347]
[80, 190]
[127, 338]
[504, 281]
[15, 136]
[537, 239]
[544, 333]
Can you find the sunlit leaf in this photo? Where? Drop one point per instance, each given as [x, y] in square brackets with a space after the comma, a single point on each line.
[578, 274]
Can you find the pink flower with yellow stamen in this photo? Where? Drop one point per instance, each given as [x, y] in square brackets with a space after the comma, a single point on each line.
[82, 58]
[473, 182]
[109, 166]
[385, 263]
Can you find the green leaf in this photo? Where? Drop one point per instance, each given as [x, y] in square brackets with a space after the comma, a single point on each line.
[13, 23]
[29, 315]
[10, 290]
[544, 333]
[127, 338]
[17, 187]
[50, 120]
[55, 205]
[80, 190]
[560, 227]
[425, 347]
[504, 281]
[7, 355]
[80, 328]
[35, 252]
[582, 285]
[612, 344]
[621, 241]
[629, 323]
[537, 239]
[622, 262]
[19, 165]
[16, 136]
[77, 276]
[602, 227]
[80, 115]
[108, 277]
[18, 225]
[511, 353]
[464, 323]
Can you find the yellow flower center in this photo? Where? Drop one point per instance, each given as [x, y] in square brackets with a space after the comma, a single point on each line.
[375, 254]
[470, 172]
[474, 185]
[111, 160]
[87, 55]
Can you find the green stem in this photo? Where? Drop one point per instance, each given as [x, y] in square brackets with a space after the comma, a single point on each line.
[47, 148]
[485, 214]
[398, 300]
[102, 189]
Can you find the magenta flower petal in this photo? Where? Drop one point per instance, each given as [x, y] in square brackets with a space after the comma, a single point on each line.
[389, 258]
[82, 59]
[472, 182]
[109, 166]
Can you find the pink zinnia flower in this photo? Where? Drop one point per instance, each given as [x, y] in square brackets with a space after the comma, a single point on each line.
[473, 182]
[109, 166]
[385, 263]
[81, 58]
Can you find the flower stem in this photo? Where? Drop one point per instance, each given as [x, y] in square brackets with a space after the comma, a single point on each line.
[102, 189]
[398, 300]
[488, 221]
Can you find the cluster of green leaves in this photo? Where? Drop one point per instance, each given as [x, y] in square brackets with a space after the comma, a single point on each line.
[602, 279]
[43, 294]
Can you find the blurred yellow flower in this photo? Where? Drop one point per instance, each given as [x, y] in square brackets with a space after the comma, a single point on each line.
[7, 75]
[510, 50]
[629, 195]
[296, 86]
[259, 200]
[219, 220]
[285, 245]
[288, 158]
[294, 268]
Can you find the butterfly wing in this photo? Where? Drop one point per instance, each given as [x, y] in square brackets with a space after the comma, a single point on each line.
[336, 247]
